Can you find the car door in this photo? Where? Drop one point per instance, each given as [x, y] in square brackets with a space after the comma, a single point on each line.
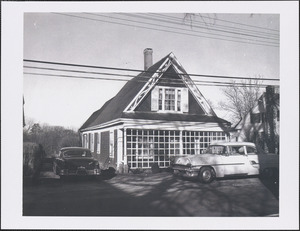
[235, 162]
[253, 161]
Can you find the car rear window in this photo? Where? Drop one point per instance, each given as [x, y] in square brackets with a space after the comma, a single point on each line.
[77, 153]
[251, 150]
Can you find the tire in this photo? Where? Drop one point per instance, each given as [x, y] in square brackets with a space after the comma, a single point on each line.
[206, 175]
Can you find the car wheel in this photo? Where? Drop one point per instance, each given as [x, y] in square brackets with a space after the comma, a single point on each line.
[206, 175]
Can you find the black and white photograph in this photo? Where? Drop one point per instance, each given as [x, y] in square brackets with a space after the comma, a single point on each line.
[143, 115]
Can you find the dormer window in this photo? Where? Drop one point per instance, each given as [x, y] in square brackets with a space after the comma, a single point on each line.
[169, 99]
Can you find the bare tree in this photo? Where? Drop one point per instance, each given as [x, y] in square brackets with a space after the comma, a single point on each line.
[240, 98]
[29, 122]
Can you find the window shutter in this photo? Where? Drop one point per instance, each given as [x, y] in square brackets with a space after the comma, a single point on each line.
[185, 100]
[154, 99]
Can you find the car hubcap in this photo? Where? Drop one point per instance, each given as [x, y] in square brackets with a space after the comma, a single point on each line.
[206, 175]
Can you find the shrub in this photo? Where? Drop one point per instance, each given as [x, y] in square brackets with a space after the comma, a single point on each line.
[32, 158]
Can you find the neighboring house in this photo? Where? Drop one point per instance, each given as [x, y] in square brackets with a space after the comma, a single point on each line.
[261, 124]
[157, 115]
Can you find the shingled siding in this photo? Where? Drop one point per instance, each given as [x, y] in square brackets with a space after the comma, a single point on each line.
[171, 79]
[194, 108]
[145, 106]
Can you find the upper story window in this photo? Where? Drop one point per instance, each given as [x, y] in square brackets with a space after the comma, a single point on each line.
[169, 99]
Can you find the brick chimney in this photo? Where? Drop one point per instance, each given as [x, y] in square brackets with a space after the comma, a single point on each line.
[148, 61]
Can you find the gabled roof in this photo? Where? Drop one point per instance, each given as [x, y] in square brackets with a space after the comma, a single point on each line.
[114, 108]
[134, 90]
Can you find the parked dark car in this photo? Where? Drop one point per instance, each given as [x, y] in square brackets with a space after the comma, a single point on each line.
[75, 161]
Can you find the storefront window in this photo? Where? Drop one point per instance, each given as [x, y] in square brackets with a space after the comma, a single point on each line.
[145, 147]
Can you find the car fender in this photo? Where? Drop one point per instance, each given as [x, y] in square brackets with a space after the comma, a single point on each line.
[207, 160]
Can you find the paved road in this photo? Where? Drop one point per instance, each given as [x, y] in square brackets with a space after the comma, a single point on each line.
[158, 194]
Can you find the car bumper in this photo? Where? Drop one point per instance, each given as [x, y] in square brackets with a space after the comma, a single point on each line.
[67, 172]
[185, 172]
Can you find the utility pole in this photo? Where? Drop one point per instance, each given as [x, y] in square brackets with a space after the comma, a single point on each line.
[270, 116]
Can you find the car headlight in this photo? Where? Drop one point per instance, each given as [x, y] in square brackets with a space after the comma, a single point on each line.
[183, 161]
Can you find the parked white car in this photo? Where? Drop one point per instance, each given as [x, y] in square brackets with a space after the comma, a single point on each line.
[223, 159]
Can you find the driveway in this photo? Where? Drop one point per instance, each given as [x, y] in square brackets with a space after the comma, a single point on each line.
[149, 194]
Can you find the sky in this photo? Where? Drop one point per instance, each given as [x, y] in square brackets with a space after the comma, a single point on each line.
[89, 39]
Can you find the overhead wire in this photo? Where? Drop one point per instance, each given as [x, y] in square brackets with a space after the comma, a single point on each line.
[209, 26]
[201, 32]
[124, 69]
[188, 34]
[136, 70]
[137, 80]
[227, 21]
[195, 26]
[174, 81]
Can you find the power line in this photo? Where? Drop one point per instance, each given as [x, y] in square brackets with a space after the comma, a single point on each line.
[160, 25]
[243, 24]
[211, 26]
[144, 81]
[177, 19]
[201, 27]
[228, 21]
[175, 81]
[76, 71]
[135, 70]
[181, 33]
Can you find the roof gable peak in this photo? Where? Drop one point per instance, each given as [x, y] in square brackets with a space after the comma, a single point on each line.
[170, 60]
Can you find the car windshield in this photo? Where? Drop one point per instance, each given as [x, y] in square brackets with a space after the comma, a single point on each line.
[77, 153]
[216, 149]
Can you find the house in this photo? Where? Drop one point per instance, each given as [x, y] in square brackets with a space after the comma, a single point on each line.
[157, 115]
[261, 124]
